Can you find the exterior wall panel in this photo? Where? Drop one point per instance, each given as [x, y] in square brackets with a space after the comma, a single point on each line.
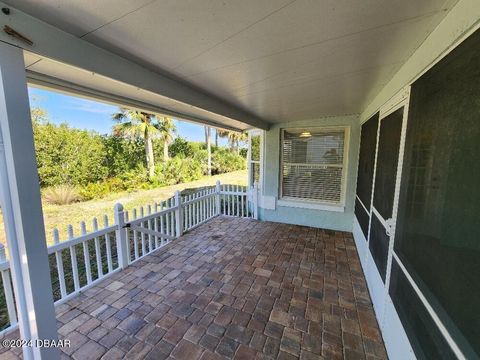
[339, 219]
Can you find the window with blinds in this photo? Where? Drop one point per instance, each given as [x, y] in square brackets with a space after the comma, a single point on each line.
[312, 164]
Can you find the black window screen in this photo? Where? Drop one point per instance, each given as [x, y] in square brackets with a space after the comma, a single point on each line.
[387, 161]
[378, 245]
[425, 338]
[362, 217]
[366, 160]
[437, 234]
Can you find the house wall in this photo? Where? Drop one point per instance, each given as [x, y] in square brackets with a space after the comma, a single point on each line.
[271, 211]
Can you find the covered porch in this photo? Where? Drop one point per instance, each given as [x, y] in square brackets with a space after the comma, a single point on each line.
[231, 288]
[357, 235]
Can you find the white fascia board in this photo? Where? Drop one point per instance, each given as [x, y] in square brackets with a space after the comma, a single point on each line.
[56, 44]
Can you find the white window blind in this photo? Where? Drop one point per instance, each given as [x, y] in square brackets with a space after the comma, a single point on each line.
[312, 164]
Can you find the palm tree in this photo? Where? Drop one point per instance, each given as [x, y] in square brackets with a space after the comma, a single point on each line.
[208, 141]
[132, 123]
[167, 130]
[234, 138]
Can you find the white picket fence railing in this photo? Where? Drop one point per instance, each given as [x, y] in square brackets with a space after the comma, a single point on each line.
[83, 260]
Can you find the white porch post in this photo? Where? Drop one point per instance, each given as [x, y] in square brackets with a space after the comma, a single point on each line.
[22, 210]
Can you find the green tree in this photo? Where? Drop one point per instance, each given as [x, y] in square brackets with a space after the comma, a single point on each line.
[182, 147]
[38, 115]
[139, 124]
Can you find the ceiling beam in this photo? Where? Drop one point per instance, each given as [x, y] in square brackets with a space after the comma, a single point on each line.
[56, 44]
[49, 82]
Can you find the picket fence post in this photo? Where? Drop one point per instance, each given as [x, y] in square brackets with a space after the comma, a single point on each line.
[121, 236]
[178, 214]
[217, 197]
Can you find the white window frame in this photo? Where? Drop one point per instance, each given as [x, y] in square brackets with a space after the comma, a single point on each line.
[252, 133]
[311, 203]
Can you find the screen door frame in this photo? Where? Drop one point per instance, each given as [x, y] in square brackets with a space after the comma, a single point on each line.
[378, 288]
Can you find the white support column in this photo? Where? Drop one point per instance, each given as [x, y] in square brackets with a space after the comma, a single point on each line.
[255, 200]
[22, 209]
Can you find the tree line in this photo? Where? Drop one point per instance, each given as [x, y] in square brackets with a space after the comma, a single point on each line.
[143, 151]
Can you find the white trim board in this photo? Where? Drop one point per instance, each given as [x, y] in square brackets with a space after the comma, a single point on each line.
[394, 336]
[310, 205]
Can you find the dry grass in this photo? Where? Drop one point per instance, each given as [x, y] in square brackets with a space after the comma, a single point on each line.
[61, 195]
[60, 216]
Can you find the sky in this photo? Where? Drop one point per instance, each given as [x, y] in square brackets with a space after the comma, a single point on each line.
[92, 115]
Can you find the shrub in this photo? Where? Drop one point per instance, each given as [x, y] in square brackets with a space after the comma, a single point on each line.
[97, 165]
[129, 180]
[243, 152]
[101, 189]
[181, 147]
[122, 155]
[224, 160]
[190, 169]
[177, 170]
[68, 156]
[201, 156]
[61, 195]
[133, 177]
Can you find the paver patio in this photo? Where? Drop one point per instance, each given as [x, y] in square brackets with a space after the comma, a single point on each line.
[232, 288]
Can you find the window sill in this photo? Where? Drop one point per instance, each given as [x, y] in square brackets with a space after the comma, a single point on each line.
[311, 205]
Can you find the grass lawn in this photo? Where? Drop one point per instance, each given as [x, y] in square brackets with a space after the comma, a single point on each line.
[60, 216]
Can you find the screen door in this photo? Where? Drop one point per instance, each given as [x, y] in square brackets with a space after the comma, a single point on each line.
[385, 184]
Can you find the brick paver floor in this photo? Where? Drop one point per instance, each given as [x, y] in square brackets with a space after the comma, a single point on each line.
[232, 288]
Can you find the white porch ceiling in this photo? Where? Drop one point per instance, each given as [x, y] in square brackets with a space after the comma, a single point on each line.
[282, 60]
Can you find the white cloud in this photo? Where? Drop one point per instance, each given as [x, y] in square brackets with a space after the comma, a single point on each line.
[89, 106]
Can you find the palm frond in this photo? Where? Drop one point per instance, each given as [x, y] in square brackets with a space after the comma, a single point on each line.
[134, 123]
[128, 129]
